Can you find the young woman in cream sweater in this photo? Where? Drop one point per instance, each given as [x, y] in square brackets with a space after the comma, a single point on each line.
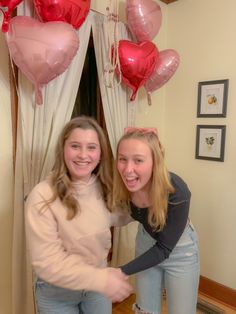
[68, 227]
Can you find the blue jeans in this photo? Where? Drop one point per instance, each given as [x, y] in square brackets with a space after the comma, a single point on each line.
[55, 300]
[178, 274]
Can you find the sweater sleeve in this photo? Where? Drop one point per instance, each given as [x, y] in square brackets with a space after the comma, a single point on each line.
[50, 260]
[166, 239]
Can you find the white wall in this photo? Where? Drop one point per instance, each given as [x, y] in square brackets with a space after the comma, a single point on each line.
[203, 33]
[6, 183]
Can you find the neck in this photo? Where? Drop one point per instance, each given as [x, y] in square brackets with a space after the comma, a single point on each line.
[140, 199]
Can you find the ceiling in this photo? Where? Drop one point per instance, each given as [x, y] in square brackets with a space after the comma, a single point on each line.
[168, 1]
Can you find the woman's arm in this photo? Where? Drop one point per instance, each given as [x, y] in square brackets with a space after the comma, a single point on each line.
[49, 258]
[166, 240]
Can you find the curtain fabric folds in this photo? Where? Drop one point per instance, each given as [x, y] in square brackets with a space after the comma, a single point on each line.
[38, 130]
[119, 113]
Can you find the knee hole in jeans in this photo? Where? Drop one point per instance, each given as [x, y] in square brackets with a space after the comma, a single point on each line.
[138, 310]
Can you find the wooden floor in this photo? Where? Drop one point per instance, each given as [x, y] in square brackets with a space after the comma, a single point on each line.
[126, 306]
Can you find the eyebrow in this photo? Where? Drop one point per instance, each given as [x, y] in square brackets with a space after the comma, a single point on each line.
[90, 143]
[136, 155]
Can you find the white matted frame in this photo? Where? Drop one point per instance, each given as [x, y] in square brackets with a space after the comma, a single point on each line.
[210, 142]
[212, 98]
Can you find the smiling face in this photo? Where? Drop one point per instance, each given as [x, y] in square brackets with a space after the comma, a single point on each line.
[135, 164]
[82, 153]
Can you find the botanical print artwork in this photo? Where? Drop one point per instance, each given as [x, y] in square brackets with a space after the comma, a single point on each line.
[208, 140]
[212, 99]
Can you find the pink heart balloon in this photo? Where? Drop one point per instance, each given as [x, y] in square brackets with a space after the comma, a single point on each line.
[73, 12]
[143, 18]
[166, 67]
[137, 62]
[42, 51]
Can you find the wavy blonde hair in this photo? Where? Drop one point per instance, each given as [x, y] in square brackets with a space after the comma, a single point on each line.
[60, 177]
[161, 186]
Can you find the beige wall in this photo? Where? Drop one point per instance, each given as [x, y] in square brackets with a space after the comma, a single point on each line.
[6, 183]
[203, 32]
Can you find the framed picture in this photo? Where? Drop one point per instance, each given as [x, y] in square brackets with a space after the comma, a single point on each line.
[212, 98]
[210, 142]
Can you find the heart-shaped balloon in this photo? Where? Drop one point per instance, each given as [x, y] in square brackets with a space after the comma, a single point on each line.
[166, 67]
[73, 12]
[10, 5]
[42, 51]
[137, 62]
[143, 18]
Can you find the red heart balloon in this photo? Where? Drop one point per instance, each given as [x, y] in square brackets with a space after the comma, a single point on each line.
[165, 69]
[11, 5]
[73, 12]
[42, 51]
[137, 62]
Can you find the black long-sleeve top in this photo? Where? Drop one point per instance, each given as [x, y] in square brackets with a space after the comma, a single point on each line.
[167, 238]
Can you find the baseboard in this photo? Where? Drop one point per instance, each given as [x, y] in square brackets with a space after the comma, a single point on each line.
[217, 291]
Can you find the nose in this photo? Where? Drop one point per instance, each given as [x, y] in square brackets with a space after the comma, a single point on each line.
[82, 152]
[128, 167]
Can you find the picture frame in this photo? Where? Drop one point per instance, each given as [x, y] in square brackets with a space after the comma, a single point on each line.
[210, 142]
[212, 98]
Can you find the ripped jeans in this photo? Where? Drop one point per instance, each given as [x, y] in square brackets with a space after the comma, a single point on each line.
[178, 275]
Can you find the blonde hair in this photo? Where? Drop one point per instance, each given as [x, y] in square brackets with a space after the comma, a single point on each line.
[60, 177]
[161, 186]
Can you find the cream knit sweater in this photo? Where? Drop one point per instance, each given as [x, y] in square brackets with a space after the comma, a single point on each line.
[70, 253]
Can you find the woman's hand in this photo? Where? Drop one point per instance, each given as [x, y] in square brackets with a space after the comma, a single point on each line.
[117, 287]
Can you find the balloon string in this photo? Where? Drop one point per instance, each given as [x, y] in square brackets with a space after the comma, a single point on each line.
[149, 98]
[113, 64]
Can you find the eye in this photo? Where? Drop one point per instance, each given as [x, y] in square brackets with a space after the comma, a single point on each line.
[92, 147]
[75, 146]
[138, 161]
[121, 160]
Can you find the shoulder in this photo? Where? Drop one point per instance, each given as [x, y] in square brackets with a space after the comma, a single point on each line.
[182, 192]
[41, 191]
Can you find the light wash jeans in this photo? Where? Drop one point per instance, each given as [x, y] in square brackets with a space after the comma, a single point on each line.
[55, 300]
[178, 274]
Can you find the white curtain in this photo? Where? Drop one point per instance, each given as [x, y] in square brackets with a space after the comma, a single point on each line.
[119, 112]
[38, 130]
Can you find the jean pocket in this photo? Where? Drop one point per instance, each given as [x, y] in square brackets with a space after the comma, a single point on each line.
[44, 289]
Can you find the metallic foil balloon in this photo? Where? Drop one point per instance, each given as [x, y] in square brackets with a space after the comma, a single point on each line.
[143, 18]
[42, 51]
[166, 67]
[10, 5]
[73, 12]
[137, 63]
